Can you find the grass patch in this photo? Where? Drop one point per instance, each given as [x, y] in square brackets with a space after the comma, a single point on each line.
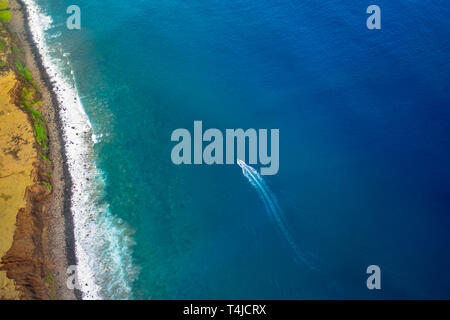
[4, 4]
[2, 64]
[43, 156]
[5, 15]
[50, 282]
[48, 185]
[36, 115]
[24, 72]
[27, 94]
[49, 278]
[41, 134]
[2, 45]
[40, 131]
[15, 49]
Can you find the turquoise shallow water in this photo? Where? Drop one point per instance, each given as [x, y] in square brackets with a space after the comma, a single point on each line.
[364, 149]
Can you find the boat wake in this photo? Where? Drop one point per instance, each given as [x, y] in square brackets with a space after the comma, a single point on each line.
[273, 209]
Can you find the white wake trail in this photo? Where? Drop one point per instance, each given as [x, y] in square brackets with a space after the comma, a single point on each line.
[273, 209]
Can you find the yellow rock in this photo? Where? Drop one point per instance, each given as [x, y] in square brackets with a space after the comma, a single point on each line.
[17, 154]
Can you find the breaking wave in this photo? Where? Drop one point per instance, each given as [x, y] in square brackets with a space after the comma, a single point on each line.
[103, 242]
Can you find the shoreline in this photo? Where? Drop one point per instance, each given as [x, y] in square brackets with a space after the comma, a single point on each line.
[77, 200]
[59, 238]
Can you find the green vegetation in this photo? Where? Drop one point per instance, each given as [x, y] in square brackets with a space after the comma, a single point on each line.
[4, 4]
[50, 282]
[24, 72]
[2, 45]
[5, 16]
[49, 278]
[40, 131]
[27, 94]
[30, 99]
[43, 156]
[15, 49]
[48, 185]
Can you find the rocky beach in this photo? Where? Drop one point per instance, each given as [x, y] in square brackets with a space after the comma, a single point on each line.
[36, 225]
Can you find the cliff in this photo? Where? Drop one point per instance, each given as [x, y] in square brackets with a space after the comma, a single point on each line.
[25, 177]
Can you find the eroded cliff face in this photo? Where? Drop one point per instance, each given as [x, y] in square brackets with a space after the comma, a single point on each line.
[24, 261]
[16, 166]
[25, 178]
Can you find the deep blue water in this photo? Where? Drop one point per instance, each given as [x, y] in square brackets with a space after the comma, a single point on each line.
[364, 125]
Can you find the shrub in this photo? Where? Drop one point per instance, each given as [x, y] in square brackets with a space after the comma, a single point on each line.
[5, 16]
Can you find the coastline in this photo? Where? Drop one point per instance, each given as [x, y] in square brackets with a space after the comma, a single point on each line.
[57, 230]
[89, 249]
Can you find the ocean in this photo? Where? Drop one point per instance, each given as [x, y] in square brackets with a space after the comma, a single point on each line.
[364, 124]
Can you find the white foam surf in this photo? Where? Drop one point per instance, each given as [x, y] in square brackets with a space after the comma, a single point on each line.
[102, 241]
